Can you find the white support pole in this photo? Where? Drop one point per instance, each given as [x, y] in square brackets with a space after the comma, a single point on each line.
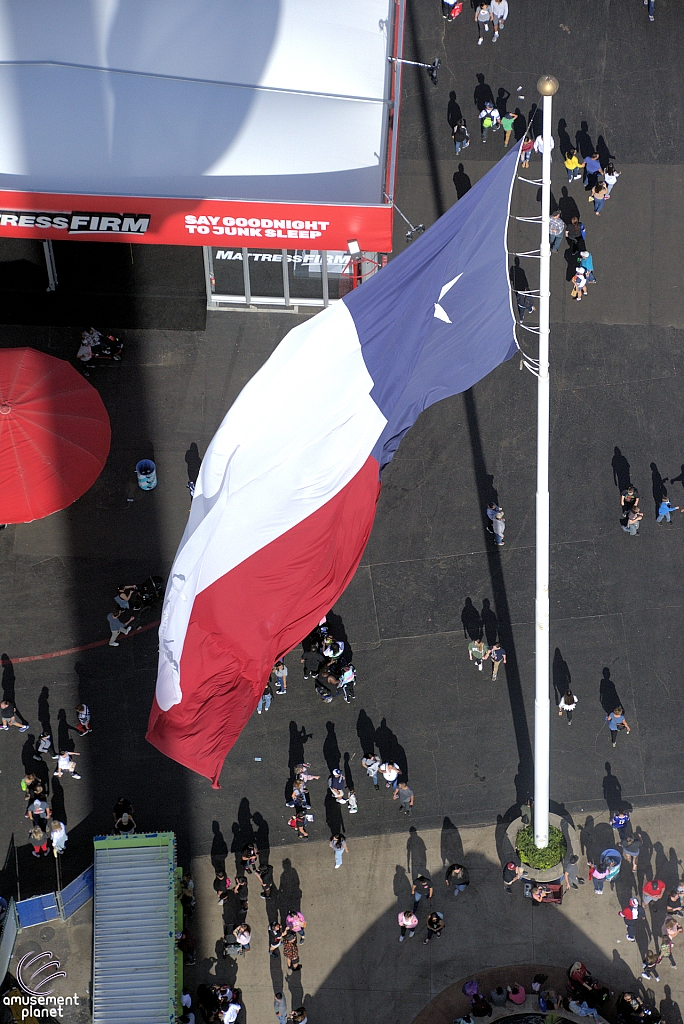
[547, 87]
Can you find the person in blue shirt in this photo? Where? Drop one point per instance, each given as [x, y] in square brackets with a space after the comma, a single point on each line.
[592, 170]
[586, 261]
[616, 720]
[664, 510]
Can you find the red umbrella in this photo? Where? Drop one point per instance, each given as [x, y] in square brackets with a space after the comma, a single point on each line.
[54, 435]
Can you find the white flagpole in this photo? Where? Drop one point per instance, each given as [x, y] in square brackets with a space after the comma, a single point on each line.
[547, 86]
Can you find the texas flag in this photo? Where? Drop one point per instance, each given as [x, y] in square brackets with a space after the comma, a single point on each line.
[286, 496]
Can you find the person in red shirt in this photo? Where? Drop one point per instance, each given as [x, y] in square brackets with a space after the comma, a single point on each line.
[654, 890]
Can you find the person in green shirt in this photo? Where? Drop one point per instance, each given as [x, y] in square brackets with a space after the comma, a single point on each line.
[507, 124]
[477, 652]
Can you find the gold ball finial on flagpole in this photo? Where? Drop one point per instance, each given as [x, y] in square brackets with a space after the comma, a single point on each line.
[547, 85]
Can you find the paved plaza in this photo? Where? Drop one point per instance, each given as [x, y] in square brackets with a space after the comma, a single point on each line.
[430, 569]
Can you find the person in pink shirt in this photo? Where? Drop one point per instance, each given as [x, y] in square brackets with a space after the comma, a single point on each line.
[408, 922]
[517, 994]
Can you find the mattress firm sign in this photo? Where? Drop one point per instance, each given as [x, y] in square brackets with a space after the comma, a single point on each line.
[160, 221]
[78, 223]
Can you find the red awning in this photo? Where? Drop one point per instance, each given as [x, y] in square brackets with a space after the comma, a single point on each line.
[54, 435]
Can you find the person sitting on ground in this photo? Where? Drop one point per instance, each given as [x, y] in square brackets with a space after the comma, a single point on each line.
[479, 1007]
[582, 1009]
[435, 924]
[549, 1001]
[498, 996]
[517, 994]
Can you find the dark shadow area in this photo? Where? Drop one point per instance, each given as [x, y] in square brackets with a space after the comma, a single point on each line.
[365, 730]
[450, 844]
[219, 848]
[612, 791]
[483, 93]
[454, 114]
[490, 622]
[525, 777]
[8, 679]
[667, 865]
[669, 1009]
[518, 277]
[564, 140]
[571, 259]
[644, 866]
[348, 777]
[333, 814]
[583, 143]
[603, 150]
[298, 737]
[262, 838]
[420, 84]
[331, 748]
[620, 467]
[416, 854]
[560, 673]
[658, 486]
[595, 838]
[461, 182]
[567, 206]
[243, 833]
[390, 749]
[534, 120]
[673, 480]
[193, 461]
[502, 98]
[471, 621]
[608, 694]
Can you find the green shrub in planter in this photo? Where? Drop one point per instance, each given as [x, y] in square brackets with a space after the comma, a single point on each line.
[540, 859]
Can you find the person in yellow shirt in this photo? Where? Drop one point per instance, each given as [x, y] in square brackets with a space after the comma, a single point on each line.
[573, 165]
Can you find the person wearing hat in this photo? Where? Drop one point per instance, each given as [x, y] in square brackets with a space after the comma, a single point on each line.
[587, 262]
[512, 873]
[632, 913]
[489, 118]
[125, 825]
[654, 890]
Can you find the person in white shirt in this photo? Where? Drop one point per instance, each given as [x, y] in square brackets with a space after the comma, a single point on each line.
[499, 9]
[539, 144]
[568, 703]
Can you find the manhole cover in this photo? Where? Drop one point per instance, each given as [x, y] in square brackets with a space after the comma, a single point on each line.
[27, 947]
[46, 934]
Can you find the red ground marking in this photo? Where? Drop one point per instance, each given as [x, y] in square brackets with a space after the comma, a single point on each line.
[75, 650]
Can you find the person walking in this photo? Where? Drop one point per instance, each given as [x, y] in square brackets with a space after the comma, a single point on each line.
[631, 848]
[125, 825]
[404, 794]
[632, 913]
[243, 936]
[459, 134]
[670, 930]
[587, 263]
[579, 284]
[66, 764]
[268, 886]
[118, 624]
[408, 922]
[221, 886]
[265, 698]
[573, 165]
[650, 965]
[598, 196]
[8, 713]
[592, 170]
[651, 9]
[490, 119]
[571, 873]
[338, 844]
[312, 662]
[491, 512]
[556, 230]
[507, 121]
[435, 924]
[483, 16]
[610, 176]
[457, 877]
[674, 904]
[576, 234]
[499, 10]
[280, 673]
[629, 498]
[39, 841]
[567, 704]
[499, 526]
[598, 874]
[291, 950]
[526, 152]
[275, 938]
[83, 712]
[664, 510]
[477, 652]
[371, 762]
[422, 887]
[621, 821]
[539, 144]
[296, 922]
[631, 522]
[58, 836]
[616, 720]
[497, 656]
[390, 772]
[280, 1007]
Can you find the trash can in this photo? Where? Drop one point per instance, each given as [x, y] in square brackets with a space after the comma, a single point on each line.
[146, 472]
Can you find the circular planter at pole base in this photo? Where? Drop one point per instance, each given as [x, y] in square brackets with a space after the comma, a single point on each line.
[556, 870]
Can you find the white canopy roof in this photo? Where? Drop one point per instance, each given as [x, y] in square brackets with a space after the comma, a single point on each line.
[272, 100]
